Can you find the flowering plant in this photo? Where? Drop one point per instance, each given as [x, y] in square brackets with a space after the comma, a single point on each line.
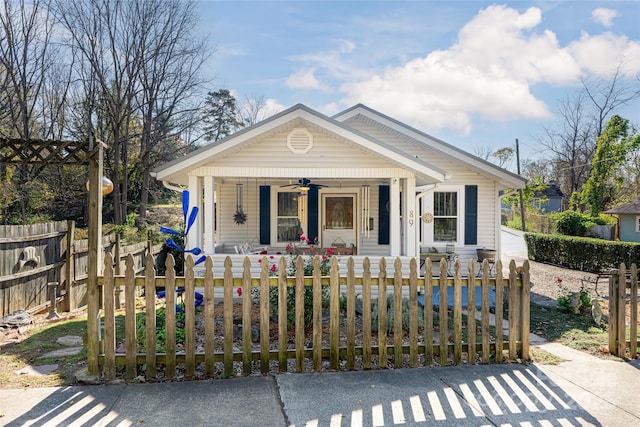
[273, 268]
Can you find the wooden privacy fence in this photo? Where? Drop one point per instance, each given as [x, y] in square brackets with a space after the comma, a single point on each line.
[32, 256]
[336, 339]
[623, 322]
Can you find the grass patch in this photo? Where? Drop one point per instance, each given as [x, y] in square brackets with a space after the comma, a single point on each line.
[41, 340]
[577, 331]
[543, 357]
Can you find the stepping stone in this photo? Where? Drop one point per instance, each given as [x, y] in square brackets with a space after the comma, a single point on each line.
[37, 370]
[69, 351]
[70, 341]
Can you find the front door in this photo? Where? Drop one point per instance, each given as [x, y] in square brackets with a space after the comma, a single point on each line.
[339, 220]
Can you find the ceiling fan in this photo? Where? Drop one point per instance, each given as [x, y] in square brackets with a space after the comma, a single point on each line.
[303, 184]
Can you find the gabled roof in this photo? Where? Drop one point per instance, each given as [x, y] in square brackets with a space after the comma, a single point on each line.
[552, 190]
[504, 176]
[631, 208]
[203, 154]
[178, 168]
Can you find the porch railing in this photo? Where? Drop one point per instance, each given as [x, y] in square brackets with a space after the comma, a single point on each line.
[332, 341]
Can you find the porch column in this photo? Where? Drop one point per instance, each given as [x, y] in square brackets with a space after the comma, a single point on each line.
[209, 215]
[195, 199]
[395, 247]
[411, 215]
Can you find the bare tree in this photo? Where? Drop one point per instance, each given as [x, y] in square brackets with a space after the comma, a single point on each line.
[169, 75]
[26, 60]
[483, 152]
[572, 143]
[254, 109]
[582, 119]
[607, 97]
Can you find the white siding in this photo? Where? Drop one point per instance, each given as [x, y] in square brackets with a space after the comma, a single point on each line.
[273, 152]
[228, 231]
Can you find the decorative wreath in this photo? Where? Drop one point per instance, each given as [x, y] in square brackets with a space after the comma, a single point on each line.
[239, 217]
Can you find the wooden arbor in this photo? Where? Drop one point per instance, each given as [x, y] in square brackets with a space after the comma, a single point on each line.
[54, 152]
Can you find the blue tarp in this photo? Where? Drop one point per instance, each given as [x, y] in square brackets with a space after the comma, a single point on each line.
[465, 299]
[198, 296]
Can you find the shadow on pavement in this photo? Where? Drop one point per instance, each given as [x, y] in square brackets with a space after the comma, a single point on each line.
[466, 395]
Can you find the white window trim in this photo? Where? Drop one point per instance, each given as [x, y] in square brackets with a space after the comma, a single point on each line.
[428, 207]
[274, 216]
[637, 223]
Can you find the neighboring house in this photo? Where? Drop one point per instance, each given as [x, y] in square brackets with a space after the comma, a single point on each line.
[628, 216]
[549, 199]
[359, 179]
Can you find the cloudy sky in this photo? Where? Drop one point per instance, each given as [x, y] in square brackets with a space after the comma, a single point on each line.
[472, 73]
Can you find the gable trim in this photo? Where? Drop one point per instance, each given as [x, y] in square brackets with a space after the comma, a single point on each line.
[201, 156]
[508, 178]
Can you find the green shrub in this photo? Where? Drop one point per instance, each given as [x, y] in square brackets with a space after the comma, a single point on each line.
[161, 328]
[291, 290]
[391, 315]
[581, 253]
[572, 223]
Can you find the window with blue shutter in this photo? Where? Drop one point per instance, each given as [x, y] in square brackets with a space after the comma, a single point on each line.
[383, 214]
[471, 215]
[265, 215]
[312, 213]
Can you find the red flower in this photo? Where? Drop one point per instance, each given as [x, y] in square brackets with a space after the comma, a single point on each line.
[271, 256]
[559, 279]
[330, 251]
[239, 291]
[263, 252]
[259, 259]
[273, 268]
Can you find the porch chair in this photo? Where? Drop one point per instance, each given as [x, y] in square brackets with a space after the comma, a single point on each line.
[247, 248]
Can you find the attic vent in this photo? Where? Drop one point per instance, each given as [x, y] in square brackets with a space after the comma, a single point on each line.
[299, 141]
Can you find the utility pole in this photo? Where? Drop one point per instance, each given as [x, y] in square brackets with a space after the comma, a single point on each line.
[524, 227]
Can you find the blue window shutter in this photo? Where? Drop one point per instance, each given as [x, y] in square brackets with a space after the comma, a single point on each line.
[383, 214]
[312, 213]
[265, 215]
[471, 215]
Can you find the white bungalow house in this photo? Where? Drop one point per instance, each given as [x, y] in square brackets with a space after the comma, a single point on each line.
[359, 181]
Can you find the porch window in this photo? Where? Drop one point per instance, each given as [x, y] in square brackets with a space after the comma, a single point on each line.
[445, 216]
[290, 216]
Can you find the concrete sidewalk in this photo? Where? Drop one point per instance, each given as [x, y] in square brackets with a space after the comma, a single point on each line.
[582, 390]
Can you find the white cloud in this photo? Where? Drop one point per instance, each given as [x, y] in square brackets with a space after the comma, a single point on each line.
[489, 72]
[303, 79]
[604, 16]
[602, 54]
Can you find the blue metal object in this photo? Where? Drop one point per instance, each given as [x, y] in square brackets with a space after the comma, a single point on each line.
[187, 224]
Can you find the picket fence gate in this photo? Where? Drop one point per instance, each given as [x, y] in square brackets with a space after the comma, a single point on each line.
[423, 345]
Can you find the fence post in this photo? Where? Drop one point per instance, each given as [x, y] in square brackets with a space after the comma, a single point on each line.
[117, 253]
[69, 266]
[633, 323]
[525, 314]
[621, 311]
[613, 313]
